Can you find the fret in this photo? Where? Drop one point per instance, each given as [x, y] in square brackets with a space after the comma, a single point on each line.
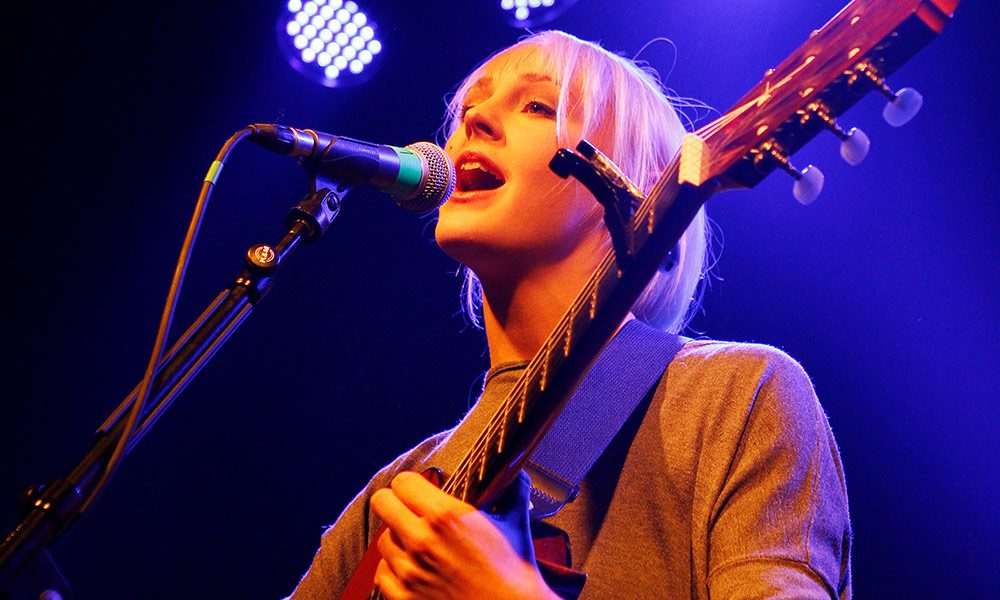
[521, 404]
[546, 358]
[503, 432]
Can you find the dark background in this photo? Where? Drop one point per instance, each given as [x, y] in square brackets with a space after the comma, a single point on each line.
[885, 289]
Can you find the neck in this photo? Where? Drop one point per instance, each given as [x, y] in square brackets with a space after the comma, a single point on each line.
[519, 313]
[524, 297]
[518, 317]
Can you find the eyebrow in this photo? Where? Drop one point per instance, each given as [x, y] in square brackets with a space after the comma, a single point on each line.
[536, 77]
[527, 77]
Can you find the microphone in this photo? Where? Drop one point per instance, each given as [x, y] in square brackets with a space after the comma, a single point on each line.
[420, 177]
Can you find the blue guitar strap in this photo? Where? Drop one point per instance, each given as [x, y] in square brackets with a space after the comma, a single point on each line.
[625, 373]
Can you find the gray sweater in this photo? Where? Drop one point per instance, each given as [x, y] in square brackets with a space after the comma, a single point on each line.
[729, 486]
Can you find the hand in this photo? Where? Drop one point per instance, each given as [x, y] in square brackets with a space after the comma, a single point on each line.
[437, 546]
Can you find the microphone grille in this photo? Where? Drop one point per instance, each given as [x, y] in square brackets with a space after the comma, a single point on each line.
[439, 179]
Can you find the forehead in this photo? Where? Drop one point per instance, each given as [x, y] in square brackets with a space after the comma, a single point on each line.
[527, 64]
[530, 65]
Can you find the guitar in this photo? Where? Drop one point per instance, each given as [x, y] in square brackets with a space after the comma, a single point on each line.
[850, 56]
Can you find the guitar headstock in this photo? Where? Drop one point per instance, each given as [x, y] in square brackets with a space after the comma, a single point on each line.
[837, 65]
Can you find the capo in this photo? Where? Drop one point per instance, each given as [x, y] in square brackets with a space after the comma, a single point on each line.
[610, 186]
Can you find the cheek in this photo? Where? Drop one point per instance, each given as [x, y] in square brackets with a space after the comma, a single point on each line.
[450, 145]
[578, 207]
[564, 220]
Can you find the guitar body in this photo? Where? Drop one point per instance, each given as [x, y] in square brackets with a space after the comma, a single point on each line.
[361, 585]
[552, 553]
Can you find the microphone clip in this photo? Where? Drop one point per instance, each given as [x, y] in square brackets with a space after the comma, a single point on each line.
[316, 211]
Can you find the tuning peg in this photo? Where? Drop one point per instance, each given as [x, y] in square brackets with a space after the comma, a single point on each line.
[808, 181]
[854, 144]
[903, 105]
[808, 184]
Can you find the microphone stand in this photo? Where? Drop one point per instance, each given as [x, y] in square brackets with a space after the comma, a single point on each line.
[26, 568]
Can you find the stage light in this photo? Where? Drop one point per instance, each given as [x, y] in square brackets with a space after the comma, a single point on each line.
[332, 42]
[531, 13]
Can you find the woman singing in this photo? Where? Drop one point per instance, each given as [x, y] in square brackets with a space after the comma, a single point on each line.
[729, 484]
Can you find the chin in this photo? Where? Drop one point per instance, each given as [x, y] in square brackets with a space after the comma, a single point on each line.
[459, 224]
[460, 243]
[477, 245]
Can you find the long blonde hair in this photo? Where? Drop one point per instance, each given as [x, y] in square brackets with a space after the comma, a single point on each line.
[645, 134]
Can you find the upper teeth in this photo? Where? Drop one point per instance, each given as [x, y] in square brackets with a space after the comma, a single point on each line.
[472, 164]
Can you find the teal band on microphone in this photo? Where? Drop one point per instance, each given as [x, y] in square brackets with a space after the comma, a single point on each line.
[411, 170]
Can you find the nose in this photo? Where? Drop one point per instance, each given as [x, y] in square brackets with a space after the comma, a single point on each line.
[482, 121]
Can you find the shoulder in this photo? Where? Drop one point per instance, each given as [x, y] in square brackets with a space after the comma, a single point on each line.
[730, 387]
[733, 367]
[738, 359]
[767, 464]
[417, 458]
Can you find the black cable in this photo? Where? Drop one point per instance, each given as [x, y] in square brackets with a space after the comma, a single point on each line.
[166, 318]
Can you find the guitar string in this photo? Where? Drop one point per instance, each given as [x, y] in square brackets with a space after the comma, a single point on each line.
[501, 416]
[486, 439]
[759, 101]
[728, 118]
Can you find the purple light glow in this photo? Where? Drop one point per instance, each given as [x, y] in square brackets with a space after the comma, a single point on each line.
[331, 42]
[528, 13]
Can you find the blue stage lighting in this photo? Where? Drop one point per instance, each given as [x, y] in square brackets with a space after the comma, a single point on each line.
[332, 42]
[531, 13]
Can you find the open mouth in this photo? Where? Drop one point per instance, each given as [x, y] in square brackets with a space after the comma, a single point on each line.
[476, 173]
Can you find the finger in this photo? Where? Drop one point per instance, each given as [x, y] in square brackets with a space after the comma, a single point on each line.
[397, 516]
[407, 571]
[393, 553]
[388, 584]
[424, 499]
[411, 534]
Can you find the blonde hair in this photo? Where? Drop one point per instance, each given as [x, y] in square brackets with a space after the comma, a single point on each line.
[644, 133]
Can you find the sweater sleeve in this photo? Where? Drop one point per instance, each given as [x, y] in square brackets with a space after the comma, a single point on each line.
[346, 541]
[341, 548]
[780, 526]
